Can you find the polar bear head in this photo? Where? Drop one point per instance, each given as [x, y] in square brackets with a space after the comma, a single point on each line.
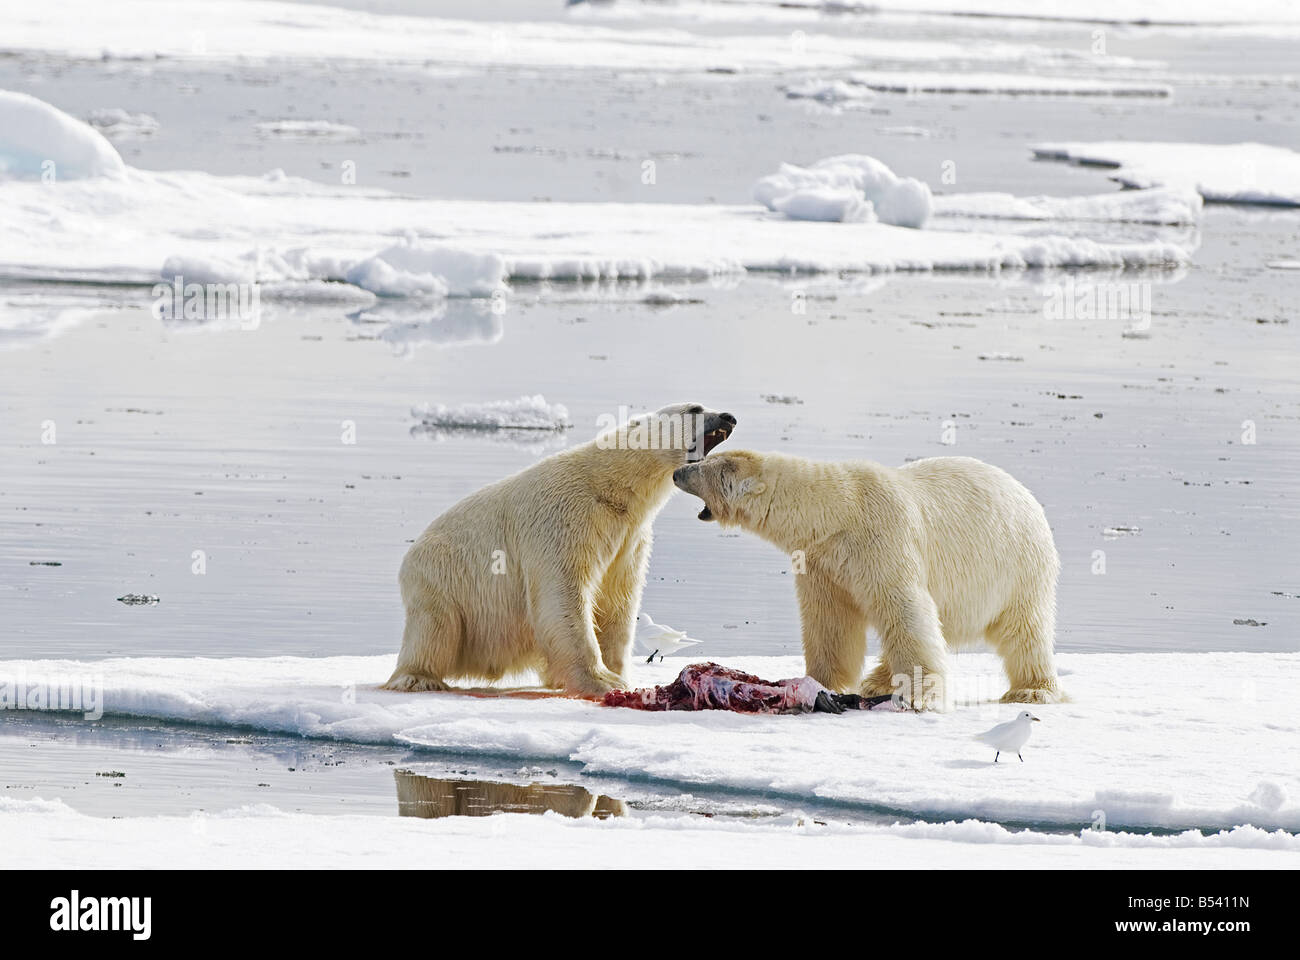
[730, 484]
[678, 434]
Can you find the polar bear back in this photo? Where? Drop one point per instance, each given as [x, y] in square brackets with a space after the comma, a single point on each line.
[986, 539]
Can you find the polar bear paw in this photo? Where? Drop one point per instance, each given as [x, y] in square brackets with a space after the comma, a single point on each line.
[414, 683]
[596, 684]
[1035, 695]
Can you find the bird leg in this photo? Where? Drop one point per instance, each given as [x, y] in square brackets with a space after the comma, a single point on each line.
[1022, 759]
[996, 755]
[651, 658]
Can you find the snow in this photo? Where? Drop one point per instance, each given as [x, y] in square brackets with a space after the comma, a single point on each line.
[263, 836]
[144, 226]
[251, 30]
[861, 189]
[849, 188]
[1171, 741]
[39, 141]
[1223, 173]
[1143, 12]
[526, 413]
[1160, 205]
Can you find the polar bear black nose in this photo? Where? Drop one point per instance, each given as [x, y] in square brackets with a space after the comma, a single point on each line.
[727, 418]
[678, 474]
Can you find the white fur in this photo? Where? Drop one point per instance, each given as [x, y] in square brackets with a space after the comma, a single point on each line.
[570, 540]
[935, 555]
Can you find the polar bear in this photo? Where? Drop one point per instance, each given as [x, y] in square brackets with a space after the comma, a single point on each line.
[545, 569]
[935, 555]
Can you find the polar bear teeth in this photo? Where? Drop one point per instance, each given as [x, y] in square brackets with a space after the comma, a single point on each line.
[715, 437]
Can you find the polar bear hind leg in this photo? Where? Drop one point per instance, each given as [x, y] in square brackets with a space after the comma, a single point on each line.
[1023, 636]
[429, 646]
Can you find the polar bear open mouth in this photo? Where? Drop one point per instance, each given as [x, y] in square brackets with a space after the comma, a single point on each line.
[715, 437]
[714, 429]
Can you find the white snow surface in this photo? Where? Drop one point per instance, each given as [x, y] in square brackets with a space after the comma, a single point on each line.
[1167, 12]
[39, 141]
[1252, 173]
[859, 189]
[1149, 740]
[1158, 205]
[526, 413]
[287, 230]
[263, 836]
[207, 30]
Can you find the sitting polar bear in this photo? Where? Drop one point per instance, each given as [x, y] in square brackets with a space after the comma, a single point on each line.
[545, 569]
[937, 554]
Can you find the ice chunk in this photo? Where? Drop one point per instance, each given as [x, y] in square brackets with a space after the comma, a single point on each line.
[41, 142]
[308, 130]
[848, 188]
[526, 413]
[415, 269]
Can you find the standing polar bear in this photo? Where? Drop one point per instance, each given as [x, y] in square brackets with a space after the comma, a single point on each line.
[935, 555]
[545, 569]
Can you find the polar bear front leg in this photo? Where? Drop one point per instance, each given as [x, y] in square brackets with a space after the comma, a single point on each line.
[913, 647]
[834, 631]
[566, 639]
[616, 605]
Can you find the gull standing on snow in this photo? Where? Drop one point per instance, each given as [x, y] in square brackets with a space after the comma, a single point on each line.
[659, 639]
[1010, 736]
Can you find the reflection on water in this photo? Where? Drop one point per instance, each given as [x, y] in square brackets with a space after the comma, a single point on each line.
[419, 796]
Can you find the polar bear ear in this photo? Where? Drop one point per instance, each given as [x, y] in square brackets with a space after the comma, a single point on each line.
[750, 486]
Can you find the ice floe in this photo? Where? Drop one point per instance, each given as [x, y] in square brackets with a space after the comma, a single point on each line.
[995, 84]
[307, 130]
[262, 836]
[206, 30]
[1253, 173]
[1137, 12]
[140, 227]
[861, 189]
[525, 413]
[1173, 206]
[1168, 741]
